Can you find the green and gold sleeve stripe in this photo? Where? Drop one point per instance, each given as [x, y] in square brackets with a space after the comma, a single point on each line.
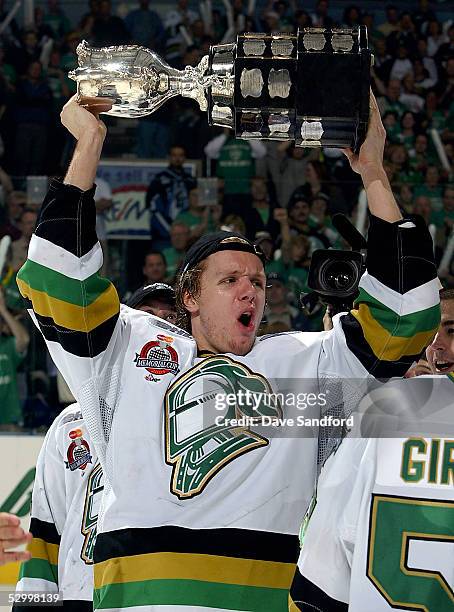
[190, 593]
[393, 345]
[237, 569]
[44, 562]
[205, 568]
[83, 318]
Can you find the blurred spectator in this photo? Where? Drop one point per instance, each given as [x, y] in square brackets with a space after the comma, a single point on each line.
[14, 340]
[180, 239]
[352, 16]
[423, 207]
[296, 257]
[401, 65]
[6, 186]
[108, 29]
[423, 15]
[277, 309]
[444, 219]
[391, 100]
[177, 22]
[236, 161]
[15, 203]
[431, 188]
[103, 201]
[234, 223]
[317, 182]
[11, 33]
[405, 198]
[382, 61]
[409, 97]
[392, 21]
[407, 133]
[423, 81]
[320, 17]
[404, 37]
[446, 50]
[434, 116]
[420, 156]
[28, 51]
[435, 37]
[168, 195]
[286, 163]
[7, 70]
[445, 86]
[146, 27]
[200, 218]
[428, 62]
[154, 267]
[298, 220]
[19, 248]
[33, 113]
[56, 19]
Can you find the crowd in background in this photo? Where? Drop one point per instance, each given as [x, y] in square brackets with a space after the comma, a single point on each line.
[276, 194]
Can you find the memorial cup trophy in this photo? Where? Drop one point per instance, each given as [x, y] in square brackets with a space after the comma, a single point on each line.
[311, 88]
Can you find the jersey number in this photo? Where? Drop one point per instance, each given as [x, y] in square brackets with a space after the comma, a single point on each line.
[395, 523]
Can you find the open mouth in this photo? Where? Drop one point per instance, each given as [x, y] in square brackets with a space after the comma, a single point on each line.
[246, 320]
[444, 366]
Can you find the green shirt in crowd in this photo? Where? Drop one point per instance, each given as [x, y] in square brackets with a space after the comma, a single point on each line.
[10, 408]
[236, 166]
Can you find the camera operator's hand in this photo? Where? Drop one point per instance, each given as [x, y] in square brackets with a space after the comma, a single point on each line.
[281, 216]
[371, 152]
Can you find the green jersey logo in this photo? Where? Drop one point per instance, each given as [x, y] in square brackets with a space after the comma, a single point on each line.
[197, 446]
[95, 486]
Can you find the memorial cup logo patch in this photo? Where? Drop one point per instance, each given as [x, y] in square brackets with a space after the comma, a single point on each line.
[158, 358]
[78, 453]
[197, 446]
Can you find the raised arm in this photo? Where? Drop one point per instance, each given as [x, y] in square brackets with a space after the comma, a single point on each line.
[369, 164]
[75, 308]
[397, 311]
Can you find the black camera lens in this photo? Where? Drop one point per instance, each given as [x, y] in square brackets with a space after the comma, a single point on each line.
[338, 277]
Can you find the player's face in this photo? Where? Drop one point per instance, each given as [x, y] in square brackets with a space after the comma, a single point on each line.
[440, 354]
[226, 315]
[159, 309]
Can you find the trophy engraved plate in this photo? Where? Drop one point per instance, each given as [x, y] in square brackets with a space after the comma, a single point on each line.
[311, 130]
[311, 87]
[254, 46]
[342, 42]
[279, 125]
[282, 47]
[279, 83]
[251, 83]
[314, 41]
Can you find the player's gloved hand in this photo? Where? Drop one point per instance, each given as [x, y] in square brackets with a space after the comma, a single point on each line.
[12, 535]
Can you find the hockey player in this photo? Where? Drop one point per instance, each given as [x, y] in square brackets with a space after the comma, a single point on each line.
[197, 513]
[381, 536]
[67, 491]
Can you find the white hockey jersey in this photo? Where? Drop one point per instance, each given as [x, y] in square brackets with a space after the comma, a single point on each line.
[201, 513]
[381, 536]
[65, 501]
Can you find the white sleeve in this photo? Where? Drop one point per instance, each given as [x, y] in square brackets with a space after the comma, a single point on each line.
[329, 541]
[213, 148]
[48, 516]
[258, 149]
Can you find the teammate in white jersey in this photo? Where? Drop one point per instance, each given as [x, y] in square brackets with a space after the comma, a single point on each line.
[199, 514]
[381, 536]
[67, 492]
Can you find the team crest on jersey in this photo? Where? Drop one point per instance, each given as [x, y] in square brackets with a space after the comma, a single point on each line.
[78, 452]
[196, 446]
[95, 486]
[158, 357]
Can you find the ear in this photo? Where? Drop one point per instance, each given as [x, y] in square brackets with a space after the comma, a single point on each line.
[190, 303]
